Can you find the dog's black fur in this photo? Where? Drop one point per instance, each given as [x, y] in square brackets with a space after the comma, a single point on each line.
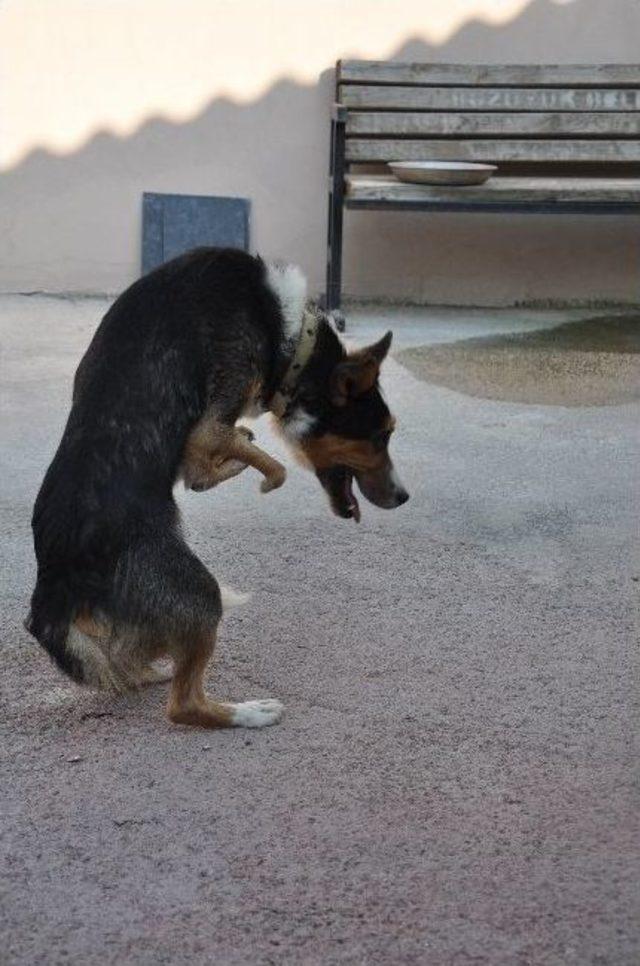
[195, 333]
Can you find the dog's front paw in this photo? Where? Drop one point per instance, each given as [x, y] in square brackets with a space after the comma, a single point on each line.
[274, 480]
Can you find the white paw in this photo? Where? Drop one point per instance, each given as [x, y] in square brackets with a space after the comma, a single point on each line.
[257, 714]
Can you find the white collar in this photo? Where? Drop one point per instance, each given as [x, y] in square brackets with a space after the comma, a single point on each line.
[306, 344]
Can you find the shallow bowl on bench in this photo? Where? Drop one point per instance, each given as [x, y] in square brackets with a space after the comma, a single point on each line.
[442, 172]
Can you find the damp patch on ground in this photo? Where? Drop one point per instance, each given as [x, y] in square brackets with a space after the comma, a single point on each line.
[595, 362]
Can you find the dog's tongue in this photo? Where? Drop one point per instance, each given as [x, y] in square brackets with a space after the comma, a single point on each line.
[352, 503]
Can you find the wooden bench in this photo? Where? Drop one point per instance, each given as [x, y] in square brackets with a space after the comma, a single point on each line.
[566, 139]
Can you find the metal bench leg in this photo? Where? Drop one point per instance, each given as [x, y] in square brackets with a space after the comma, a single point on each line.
[335, 216]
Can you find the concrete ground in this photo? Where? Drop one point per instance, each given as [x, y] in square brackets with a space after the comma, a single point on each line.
[453, 782]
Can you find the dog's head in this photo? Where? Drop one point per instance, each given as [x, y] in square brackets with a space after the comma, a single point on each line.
[341, 425]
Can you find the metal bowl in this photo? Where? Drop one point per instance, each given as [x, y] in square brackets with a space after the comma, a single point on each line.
[442, 172]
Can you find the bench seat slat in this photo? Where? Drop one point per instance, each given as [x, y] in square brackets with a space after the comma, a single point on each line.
[555, 99]
[385, 188]
[490, 75]
[363, 150]
[505, 125]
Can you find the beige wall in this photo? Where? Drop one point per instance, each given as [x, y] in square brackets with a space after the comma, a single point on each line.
[103, 99]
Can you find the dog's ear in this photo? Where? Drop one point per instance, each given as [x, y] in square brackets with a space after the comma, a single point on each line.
[358, 372]
[379, 349]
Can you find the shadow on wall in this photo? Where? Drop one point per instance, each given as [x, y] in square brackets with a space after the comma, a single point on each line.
[73, 223]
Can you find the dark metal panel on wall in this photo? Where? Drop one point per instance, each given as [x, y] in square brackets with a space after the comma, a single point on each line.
[173, 224]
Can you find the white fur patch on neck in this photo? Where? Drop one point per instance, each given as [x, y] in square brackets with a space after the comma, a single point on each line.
[298, 424]
[290, 285]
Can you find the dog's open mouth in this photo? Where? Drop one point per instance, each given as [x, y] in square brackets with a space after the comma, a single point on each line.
[338, 483]
[352, 507]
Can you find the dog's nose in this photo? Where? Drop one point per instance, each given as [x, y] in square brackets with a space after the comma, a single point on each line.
[401, 497]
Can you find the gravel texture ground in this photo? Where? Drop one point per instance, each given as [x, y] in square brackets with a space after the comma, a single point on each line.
[454, 781]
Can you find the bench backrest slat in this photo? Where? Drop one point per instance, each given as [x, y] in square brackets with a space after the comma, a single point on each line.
[365, 150]
[491, 75]
[404, 124]
[401, 98]
[503, 113]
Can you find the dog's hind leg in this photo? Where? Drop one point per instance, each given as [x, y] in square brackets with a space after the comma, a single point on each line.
[189, 705]
[154, 674]
[87, 624]
[168, 594]
[136, 675]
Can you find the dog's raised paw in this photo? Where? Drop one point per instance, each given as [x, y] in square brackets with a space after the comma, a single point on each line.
[257, 714]
[274, 481]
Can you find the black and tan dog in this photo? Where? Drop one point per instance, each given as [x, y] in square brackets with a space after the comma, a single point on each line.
[177, 360]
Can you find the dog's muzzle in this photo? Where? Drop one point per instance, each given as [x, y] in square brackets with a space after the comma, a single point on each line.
[380, 487]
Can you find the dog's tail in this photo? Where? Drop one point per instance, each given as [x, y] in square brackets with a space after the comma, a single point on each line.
[232, 598]
[84, 657]
[48, 621]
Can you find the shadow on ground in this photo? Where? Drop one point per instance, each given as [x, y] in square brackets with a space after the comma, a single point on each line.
[594, 362]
